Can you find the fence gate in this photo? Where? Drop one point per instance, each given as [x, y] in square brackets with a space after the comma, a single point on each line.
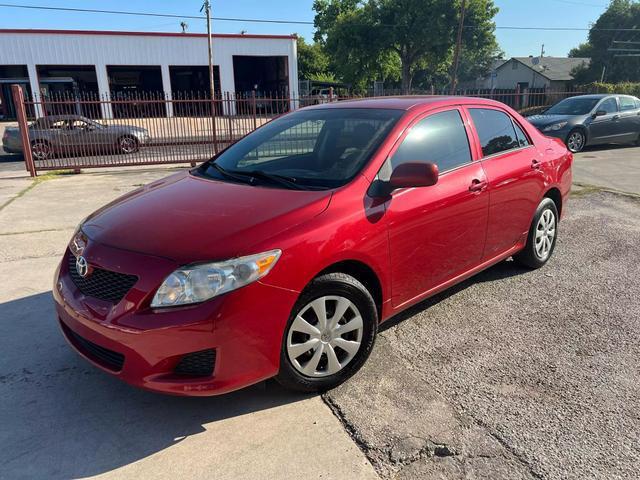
[83, 130]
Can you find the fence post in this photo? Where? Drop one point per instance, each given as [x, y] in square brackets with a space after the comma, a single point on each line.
[230, 134]
[330, 94]
[21, 114]
[253, 108]
[517, 102]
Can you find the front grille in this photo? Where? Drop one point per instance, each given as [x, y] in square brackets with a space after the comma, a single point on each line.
[102, 284]
[102, 356]
[197, 364]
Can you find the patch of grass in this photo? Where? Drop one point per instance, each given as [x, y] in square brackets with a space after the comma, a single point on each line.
[587, 189]
[50, 175]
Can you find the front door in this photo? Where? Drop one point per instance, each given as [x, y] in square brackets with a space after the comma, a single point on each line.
[437, 232]
[605, 128]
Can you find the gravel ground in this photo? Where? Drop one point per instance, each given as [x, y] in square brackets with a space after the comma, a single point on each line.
[515, 373]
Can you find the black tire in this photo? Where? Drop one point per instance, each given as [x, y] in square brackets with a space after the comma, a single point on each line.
[41, 150]
[576, 140]
[128, 144]
[529, 256]
[332, 284]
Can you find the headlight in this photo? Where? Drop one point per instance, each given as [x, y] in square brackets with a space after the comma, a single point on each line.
[197, 283]
[555, 126]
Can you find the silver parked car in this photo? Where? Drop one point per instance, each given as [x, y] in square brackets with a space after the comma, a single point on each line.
[75, 135]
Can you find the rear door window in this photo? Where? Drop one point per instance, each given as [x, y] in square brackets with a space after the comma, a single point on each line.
[627, 103]
[439, 138]
[495, 130]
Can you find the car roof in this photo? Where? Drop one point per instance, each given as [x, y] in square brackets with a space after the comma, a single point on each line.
[409, 102]
[55, 118]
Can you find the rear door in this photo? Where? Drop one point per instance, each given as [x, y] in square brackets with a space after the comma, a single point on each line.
[516, 181]
[436, 232]
[629, 122]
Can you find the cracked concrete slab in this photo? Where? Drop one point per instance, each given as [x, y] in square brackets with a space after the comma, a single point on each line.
[522, 374]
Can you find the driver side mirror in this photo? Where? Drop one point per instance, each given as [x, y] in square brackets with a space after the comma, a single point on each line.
[406, 175]
[599, 113]
[410, 175]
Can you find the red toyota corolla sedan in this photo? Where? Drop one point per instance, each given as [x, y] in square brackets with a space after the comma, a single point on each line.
[282, 255]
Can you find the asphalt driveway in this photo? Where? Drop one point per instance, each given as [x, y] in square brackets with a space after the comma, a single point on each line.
[515, 373]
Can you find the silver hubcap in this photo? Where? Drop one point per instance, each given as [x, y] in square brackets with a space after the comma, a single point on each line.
[545, 233]
[325, 336]
[40, 151]
[127, 145]
[576, 139]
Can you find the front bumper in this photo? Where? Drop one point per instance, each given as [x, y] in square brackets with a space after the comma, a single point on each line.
[243, 327]
[11, 149]
[562, 134]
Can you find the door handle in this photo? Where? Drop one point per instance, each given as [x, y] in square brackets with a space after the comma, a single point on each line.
[535, 164]
[477, 185]
[615, 118]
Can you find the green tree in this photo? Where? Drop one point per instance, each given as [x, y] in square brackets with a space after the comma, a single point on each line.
[607, 34]
[403, 39]
[313, 63]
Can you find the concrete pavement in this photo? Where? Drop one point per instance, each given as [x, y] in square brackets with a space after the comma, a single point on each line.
[63, 418]
[615, 167]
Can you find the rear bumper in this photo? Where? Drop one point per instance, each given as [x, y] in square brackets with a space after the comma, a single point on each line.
[244, 328]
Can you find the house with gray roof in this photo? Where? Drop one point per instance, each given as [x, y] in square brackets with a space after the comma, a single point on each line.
[552, 73]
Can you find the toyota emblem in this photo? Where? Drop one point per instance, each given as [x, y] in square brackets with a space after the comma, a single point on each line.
[82, 267]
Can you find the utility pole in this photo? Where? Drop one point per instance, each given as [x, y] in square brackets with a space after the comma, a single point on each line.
[533, 77]
[456, 55]
[206, 6]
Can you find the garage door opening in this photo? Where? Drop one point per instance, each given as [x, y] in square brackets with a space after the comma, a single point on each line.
[190, 87]
[268, 77]
[134, 89]
[69, 89]
[10, 75]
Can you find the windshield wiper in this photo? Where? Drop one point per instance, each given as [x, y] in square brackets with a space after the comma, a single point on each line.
[229, 174]
[274, 177]
[242, 176]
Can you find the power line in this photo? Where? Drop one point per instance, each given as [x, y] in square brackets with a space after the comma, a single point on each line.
[279, 21]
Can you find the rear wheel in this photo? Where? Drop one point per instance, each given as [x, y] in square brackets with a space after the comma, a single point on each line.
[576, 140]
[330, 334]
[41, 150]
[541, 240]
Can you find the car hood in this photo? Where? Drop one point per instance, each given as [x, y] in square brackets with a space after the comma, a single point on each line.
[190, 219]
[543, 120]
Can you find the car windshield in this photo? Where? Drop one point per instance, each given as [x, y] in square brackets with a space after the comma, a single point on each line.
[573, 106]
[308, 149]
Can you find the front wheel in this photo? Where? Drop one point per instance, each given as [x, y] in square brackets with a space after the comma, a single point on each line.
[543, 233]
[127, 145]
[330, 334]
[576, 141]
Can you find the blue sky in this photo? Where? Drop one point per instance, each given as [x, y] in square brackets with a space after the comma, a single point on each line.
[547, 13]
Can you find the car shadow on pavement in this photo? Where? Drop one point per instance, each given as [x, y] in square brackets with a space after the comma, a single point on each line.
[61, 417]
[505, 269]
